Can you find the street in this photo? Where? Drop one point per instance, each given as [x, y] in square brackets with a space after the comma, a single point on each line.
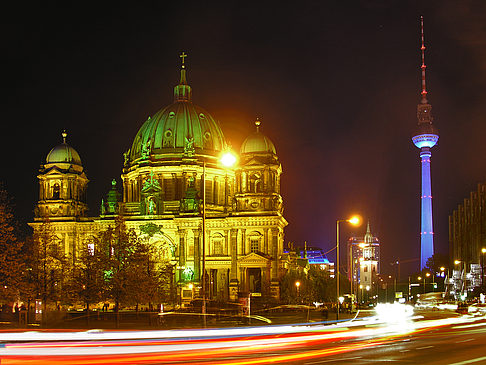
[428, 338]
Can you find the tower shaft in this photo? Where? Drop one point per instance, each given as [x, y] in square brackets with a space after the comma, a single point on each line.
[427, 229]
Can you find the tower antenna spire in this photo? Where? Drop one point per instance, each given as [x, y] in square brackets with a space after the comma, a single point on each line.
[423, 67]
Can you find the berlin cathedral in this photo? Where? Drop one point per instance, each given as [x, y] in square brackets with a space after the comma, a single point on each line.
[175, 186]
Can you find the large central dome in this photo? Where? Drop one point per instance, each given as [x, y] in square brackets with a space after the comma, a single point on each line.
[179, 129]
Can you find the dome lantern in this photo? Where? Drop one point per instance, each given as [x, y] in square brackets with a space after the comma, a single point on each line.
[257, 142]
[63, 154]
[179, 130]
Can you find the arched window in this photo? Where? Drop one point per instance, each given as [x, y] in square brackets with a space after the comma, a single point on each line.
[217, 245]
[255, 242]
[255, 182]
[56, 191]
[190, 248]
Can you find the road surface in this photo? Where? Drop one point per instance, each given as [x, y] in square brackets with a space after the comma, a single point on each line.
[431, 338]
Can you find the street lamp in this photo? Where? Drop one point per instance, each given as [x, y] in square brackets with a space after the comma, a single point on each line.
[227, 159]
[442, 274]
[354, 221]
[483, 251]
[463, 275]
[297, 285]
[426, 275]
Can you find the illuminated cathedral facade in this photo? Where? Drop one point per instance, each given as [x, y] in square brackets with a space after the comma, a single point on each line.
[174, 190]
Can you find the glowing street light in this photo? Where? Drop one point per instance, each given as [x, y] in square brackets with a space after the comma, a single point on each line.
[463, 274]
[228, 159]
[355, 220]
[297, 285]
[483, 251]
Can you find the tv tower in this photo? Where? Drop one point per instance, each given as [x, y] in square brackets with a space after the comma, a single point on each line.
[425, 137]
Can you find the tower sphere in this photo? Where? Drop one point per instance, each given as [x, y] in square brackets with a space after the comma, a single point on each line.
[426, 135]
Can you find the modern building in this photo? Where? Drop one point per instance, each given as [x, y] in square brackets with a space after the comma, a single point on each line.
[467, 242]
[176, 194]
[363, 265]
[425, 137]
[317, 258]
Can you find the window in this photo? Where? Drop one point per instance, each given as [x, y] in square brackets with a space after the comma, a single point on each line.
[91, 248]
[56, 191]
[255, 244]
[218, 246]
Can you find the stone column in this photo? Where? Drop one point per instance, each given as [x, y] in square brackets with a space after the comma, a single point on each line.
[243, 248]
[182, 254]
[233, 284]
[184, 184]
[197, 255]
[243, 182]
[274, 285]
[265, 242]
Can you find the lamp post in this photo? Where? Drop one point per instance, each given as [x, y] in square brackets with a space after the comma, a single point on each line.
[228, 159]
[426, 275]
[442, 274]
[203, 280]
[483, 251]
[297, 285]
[463, 278]
[354, 221]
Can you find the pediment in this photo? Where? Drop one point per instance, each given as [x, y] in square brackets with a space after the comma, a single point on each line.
[254, 259]
[260, 160]
[54, 172]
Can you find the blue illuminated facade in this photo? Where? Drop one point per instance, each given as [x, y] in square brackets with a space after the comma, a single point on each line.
[425, 138]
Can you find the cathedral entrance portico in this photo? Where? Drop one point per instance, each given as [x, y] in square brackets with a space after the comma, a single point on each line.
[254, 273]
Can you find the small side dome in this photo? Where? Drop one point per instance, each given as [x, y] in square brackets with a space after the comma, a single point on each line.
[63, 154]
[257, 142]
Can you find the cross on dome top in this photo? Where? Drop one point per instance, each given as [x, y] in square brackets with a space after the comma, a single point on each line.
[183, 56]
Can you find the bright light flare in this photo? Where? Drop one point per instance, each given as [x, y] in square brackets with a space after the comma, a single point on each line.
[355, 220]
[393, 313]
[228, 159]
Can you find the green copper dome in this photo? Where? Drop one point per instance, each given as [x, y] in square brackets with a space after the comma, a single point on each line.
[257, 143]
[63, 154]
[179, 129]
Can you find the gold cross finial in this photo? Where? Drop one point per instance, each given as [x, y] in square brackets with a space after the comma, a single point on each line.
[183, 55]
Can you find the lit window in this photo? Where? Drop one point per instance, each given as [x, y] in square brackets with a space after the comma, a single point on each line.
[91, 248]
[255, 244]
[218, 246]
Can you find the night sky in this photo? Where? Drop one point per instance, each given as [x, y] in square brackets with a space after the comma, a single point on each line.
[335, 83]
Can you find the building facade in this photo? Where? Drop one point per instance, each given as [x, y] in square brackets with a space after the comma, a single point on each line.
[363, 264]
[174, 185]
[467, 242]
